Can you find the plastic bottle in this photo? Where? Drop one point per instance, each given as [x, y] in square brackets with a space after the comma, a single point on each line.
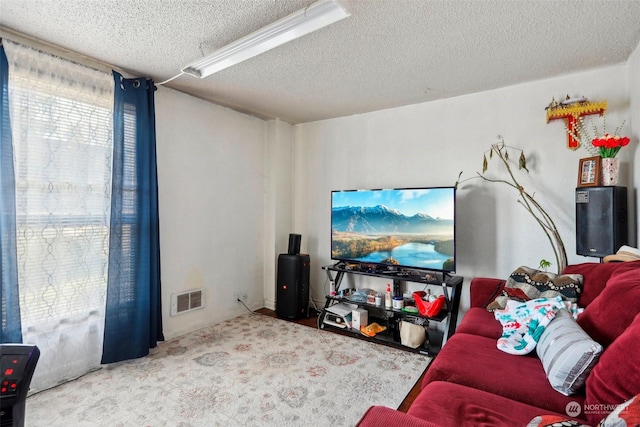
[388, 299]
[398, 303]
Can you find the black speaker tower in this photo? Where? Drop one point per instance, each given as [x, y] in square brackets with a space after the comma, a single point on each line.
[292, 287]
[294, 244]
[601, 220]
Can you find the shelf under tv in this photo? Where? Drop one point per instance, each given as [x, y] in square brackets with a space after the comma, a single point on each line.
[451, 285]
[431, 348]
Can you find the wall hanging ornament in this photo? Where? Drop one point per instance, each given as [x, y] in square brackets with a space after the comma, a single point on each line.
[572, 110]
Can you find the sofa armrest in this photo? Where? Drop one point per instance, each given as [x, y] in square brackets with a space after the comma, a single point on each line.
[381, 416]
[483, 290]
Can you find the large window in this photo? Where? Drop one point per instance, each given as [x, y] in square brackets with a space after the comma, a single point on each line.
[63, 175]
[82, 232]
[62, 125]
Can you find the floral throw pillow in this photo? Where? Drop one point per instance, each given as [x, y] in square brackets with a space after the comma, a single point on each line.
[625, 415]
[554, 421]
[524, 322]
[526, 283]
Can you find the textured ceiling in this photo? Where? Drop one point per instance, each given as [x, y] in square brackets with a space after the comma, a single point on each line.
[389, 53]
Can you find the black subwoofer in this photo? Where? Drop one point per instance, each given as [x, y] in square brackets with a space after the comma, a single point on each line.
[292, 287]
[601, 220]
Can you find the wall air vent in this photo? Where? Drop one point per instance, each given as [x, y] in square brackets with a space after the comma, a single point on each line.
[187, 301]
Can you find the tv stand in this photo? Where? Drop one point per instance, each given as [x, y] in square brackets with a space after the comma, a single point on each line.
[451, 288]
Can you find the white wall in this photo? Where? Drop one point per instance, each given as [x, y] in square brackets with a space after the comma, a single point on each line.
[211, 173]
[633, 77]
[278, 219]
[429, 144]
[232, 187]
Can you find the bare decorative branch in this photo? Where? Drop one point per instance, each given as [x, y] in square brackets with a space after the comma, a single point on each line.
[500, 149]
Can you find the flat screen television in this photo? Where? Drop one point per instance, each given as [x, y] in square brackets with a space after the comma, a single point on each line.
[413, 228]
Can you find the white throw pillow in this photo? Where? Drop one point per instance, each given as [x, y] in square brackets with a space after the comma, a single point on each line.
[567, 353]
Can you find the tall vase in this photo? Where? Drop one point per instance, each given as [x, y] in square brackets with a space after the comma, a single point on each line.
[610, 171]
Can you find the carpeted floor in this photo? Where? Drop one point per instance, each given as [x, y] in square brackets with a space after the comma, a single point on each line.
[253, 370]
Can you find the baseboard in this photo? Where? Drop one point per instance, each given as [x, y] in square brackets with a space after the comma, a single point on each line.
[270, 304]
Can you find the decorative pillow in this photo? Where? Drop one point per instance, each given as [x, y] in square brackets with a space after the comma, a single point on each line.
[554, 421]
[567, 353]
[625, 415]
[616, 377]
[610, 314]
[524, 323]
[526, 283]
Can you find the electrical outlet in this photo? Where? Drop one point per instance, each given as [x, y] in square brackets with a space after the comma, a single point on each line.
[241, 297]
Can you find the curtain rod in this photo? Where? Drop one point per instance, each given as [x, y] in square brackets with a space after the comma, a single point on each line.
[62, 52]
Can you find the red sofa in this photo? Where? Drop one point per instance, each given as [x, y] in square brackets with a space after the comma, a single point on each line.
[472, 383]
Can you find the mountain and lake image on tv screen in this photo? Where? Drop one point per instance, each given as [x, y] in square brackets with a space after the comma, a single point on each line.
[413, 228]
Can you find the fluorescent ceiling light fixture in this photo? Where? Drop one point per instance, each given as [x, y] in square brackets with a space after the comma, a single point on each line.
[318, 15]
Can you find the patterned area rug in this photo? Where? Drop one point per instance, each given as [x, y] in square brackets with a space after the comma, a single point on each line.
[254, 370]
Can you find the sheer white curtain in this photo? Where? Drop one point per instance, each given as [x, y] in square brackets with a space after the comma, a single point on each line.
[61, 121]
